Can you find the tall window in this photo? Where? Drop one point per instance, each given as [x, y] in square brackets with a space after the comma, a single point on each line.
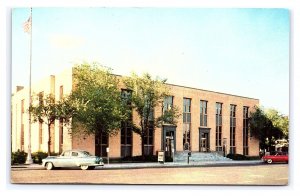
[203, 113]
[148, 140]
[245, 130]
[41, 97]
[40, 135]
[218, 126]
[61, 92]
[167, 104]
[22, 124]
[186, 123]
[61, 135]
[101, 142]
[61, 126]
[126, 127]
[232, 128]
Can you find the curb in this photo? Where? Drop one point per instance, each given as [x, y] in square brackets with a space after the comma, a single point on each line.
[154, 165]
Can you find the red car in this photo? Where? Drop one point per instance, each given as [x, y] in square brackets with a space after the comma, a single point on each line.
[277, 157]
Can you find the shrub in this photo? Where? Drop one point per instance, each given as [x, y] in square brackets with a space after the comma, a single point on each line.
[168, 159]
[38, 156]
[237, 157]
[18, 157]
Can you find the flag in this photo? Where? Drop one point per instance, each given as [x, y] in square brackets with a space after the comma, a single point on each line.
[27, 25]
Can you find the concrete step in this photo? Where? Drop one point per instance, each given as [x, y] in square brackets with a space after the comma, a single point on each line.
[199, 157]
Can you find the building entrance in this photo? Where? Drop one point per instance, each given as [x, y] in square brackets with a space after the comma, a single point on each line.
[169, 141]
[204, 140]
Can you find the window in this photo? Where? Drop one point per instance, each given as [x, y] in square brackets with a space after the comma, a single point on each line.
[168, 103]
[126, 96]
[67, 154]
[74, 154]
[22, 106]
[61, 92]
[218, 126]
[232, 128]
[148, 140]
[203, 113]
[22, 137]
[40, 135]
[101, 142]
[245, 130]
[61, 134]
[41, 98]
[22, 124]
[126, 127]
[186, 110]
[186, 123]
[52, 126]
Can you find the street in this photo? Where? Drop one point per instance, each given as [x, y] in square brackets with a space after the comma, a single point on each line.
[275, 174]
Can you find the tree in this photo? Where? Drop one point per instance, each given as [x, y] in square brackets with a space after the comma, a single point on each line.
[46, 110]
[265, 126]
[97, 100]
[147, 94]
[278, 120]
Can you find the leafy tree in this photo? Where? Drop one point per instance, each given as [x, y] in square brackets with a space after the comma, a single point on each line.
[46, 110]
[97, 100]
[265, 126]
[147, 94]
[280, 121]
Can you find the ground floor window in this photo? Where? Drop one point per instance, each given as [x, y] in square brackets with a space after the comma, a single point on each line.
[126, 139]
[245, 130]
[219, 138]
[22, 137]
[40, 135]
[148, 140]
[186, 136]
[61, 135]
[101, 143]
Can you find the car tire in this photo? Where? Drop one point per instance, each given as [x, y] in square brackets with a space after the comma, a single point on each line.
[49, 166]
[269, 161]
[84, 167]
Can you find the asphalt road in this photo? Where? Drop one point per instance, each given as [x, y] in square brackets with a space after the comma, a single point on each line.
[275, 174]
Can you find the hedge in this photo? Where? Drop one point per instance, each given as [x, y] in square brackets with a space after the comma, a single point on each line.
[242, 157]
[20, 157]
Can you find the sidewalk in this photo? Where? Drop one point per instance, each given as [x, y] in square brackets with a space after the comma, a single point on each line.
[159, 165]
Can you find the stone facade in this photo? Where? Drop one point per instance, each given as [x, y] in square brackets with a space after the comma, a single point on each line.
[61, 84]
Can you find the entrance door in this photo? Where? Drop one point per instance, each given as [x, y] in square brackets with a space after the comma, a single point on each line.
[204, 143]
[204, 139]
[169, 140]
[169, 148]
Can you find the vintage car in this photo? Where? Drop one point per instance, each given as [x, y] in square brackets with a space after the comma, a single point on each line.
[276, 157]
[73, 158]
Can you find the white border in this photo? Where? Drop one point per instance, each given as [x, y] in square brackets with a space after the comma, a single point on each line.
[8, 189]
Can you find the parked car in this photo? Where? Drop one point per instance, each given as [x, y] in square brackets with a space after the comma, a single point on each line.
[276, 157]
[73, 158]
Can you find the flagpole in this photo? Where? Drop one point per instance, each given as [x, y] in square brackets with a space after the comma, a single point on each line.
[29, 158]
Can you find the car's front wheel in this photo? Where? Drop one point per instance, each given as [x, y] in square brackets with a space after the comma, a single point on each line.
[269, 161]
[49, 166]
[84, 167]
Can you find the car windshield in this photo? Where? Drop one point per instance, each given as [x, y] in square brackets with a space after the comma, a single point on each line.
[86, 153]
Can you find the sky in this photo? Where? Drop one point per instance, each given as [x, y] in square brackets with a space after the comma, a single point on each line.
[237, 51]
